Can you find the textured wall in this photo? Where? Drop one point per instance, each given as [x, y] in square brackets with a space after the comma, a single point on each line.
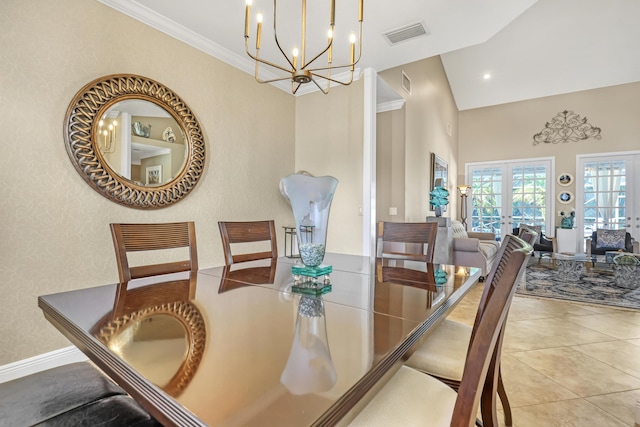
[329, 132]
[55, 228]
[390, 164]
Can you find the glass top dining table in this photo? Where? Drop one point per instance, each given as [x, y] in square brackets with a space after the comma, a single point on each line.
[237, 347]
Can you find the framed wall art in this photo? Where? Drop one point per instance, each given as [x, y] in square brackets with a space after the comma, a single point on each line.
[439, 174]
[154, 175]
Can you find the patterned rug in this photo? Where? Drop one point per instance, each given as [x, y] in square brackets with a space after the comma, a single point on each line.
[591, 288]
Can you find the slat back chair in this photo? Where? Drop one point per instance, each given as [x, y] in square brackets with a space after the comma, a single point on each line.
[247, 232]
[417, 233]
[528, 236]
[413, 398]
[481, 371]
[150, 237]
[452, 340]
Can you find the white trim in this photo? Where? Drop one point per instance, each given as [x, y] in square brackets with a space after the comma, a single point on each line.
[605, 154]
[526, 159]
[369, 164]
[41, 362]
[390, 106]
[171, 28]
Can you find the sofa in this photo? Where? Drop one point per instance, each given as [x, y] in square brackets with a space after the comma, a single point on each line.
[473, 249]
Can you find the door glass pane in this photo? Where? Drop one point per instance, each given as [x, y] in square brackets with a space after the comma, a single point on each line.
[529, 205]
[604, 195]
[486, 200]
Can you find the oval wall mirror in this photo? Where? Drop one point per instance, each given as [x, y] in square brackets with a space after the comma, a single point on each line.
[134, 141]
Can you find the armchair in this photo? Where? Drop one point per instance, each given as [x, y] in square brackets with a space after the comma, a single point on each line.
[611, 240]
[473, 249]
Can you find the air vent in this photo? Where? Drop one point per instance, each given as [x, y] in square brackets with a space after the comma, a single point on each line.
[406, 83]
[405, 33]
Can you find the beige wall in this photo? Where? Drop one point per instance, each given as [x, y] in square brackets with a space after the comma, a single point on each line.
[390, 164]
[55, 228]
[429, 109]
[506, 131]
[329, 133]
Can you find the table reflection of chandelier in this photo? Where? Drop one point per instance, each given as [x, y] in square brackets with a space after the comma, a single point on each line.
[301, 71]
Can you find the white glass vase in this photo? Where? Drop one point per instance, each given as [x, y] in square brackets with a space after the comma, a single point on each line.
[310, 199]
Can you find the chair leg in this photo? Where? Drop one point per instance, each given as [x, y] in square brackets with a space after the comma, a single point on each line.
[506, 406]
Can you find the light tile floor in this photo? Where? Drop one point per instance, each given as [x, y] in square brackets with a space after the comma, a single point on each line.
[566, 364]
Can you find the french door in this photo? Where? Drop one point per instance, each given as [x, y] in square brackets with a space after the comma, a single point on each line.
[507, 194]
[608, 187]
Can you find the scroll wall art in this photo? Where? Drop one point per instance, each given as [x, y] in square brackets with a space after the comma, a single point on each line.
[566, 126]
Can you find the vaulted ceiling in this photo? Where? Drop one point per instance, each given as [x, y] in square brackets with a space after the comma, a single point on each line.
[529, 48]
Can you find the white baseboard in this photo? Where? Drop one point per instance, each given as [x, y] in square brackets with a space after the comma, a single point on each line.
[41, 362]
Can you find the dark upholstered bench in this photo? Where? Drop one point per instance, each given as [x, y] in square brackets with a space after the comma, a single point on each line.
[70, 395]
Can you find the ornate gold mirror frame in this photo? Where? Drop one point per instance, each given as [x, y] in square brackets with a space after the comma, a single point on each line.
[190, 318]
[81, 142]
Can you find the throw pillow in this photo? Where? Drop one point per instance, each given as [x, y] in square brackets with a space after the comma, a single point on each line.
[610, 239]
[458, 230]
[535, 228]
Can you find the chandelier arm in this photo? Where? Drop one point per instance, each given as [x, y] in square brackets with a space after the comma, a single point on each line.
[273, 80]
[345, 65]
[317, 56]
[334, 80]
[293, 91]
[316, 83]
[275, 37]
[258, 59]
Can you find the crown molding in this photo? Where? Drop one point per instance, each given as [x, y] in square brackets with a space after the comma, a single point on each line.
[390, 106]
[171, 28]
[161, 23]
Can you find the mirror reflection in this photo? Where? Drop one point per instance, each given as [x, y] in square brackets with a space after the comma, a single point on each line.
[142, 142]
[156, 346]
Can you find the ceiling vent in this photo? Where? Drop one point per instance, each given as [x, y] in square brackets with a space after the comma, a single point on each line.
[406, 32]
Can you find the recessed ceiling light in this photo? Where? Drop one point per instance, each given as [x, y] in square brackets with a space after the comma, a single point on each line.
[487, 76]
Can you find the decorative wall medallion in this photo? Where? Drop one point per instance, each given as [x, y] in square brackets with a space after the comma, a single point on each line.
[565, 179]
[566, 126]
[565, 197]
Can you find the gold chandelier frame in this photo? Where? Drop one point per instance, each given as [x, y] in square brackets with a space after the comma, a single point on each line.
[304, 73]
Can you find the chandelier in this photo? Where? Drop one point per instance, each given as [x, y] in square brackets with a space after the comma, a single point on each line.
[297, 68]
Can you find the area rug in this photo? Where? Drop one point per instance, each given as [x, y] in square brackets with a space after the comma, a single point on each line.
[593, 288]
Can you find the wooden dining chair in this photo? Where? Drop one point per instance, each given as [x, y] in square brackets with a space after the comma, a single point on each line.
[233, 233]
[407, 240]
[444, 353]
[152, 237]
[414, 398]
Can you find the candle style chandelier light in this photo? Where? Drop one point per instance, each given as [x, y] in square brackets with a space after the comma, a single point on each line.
[301, 71]
[107, 134]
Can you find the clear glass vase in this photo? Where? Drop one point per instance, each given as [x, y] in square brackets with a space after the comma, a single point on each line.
[310, 199]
